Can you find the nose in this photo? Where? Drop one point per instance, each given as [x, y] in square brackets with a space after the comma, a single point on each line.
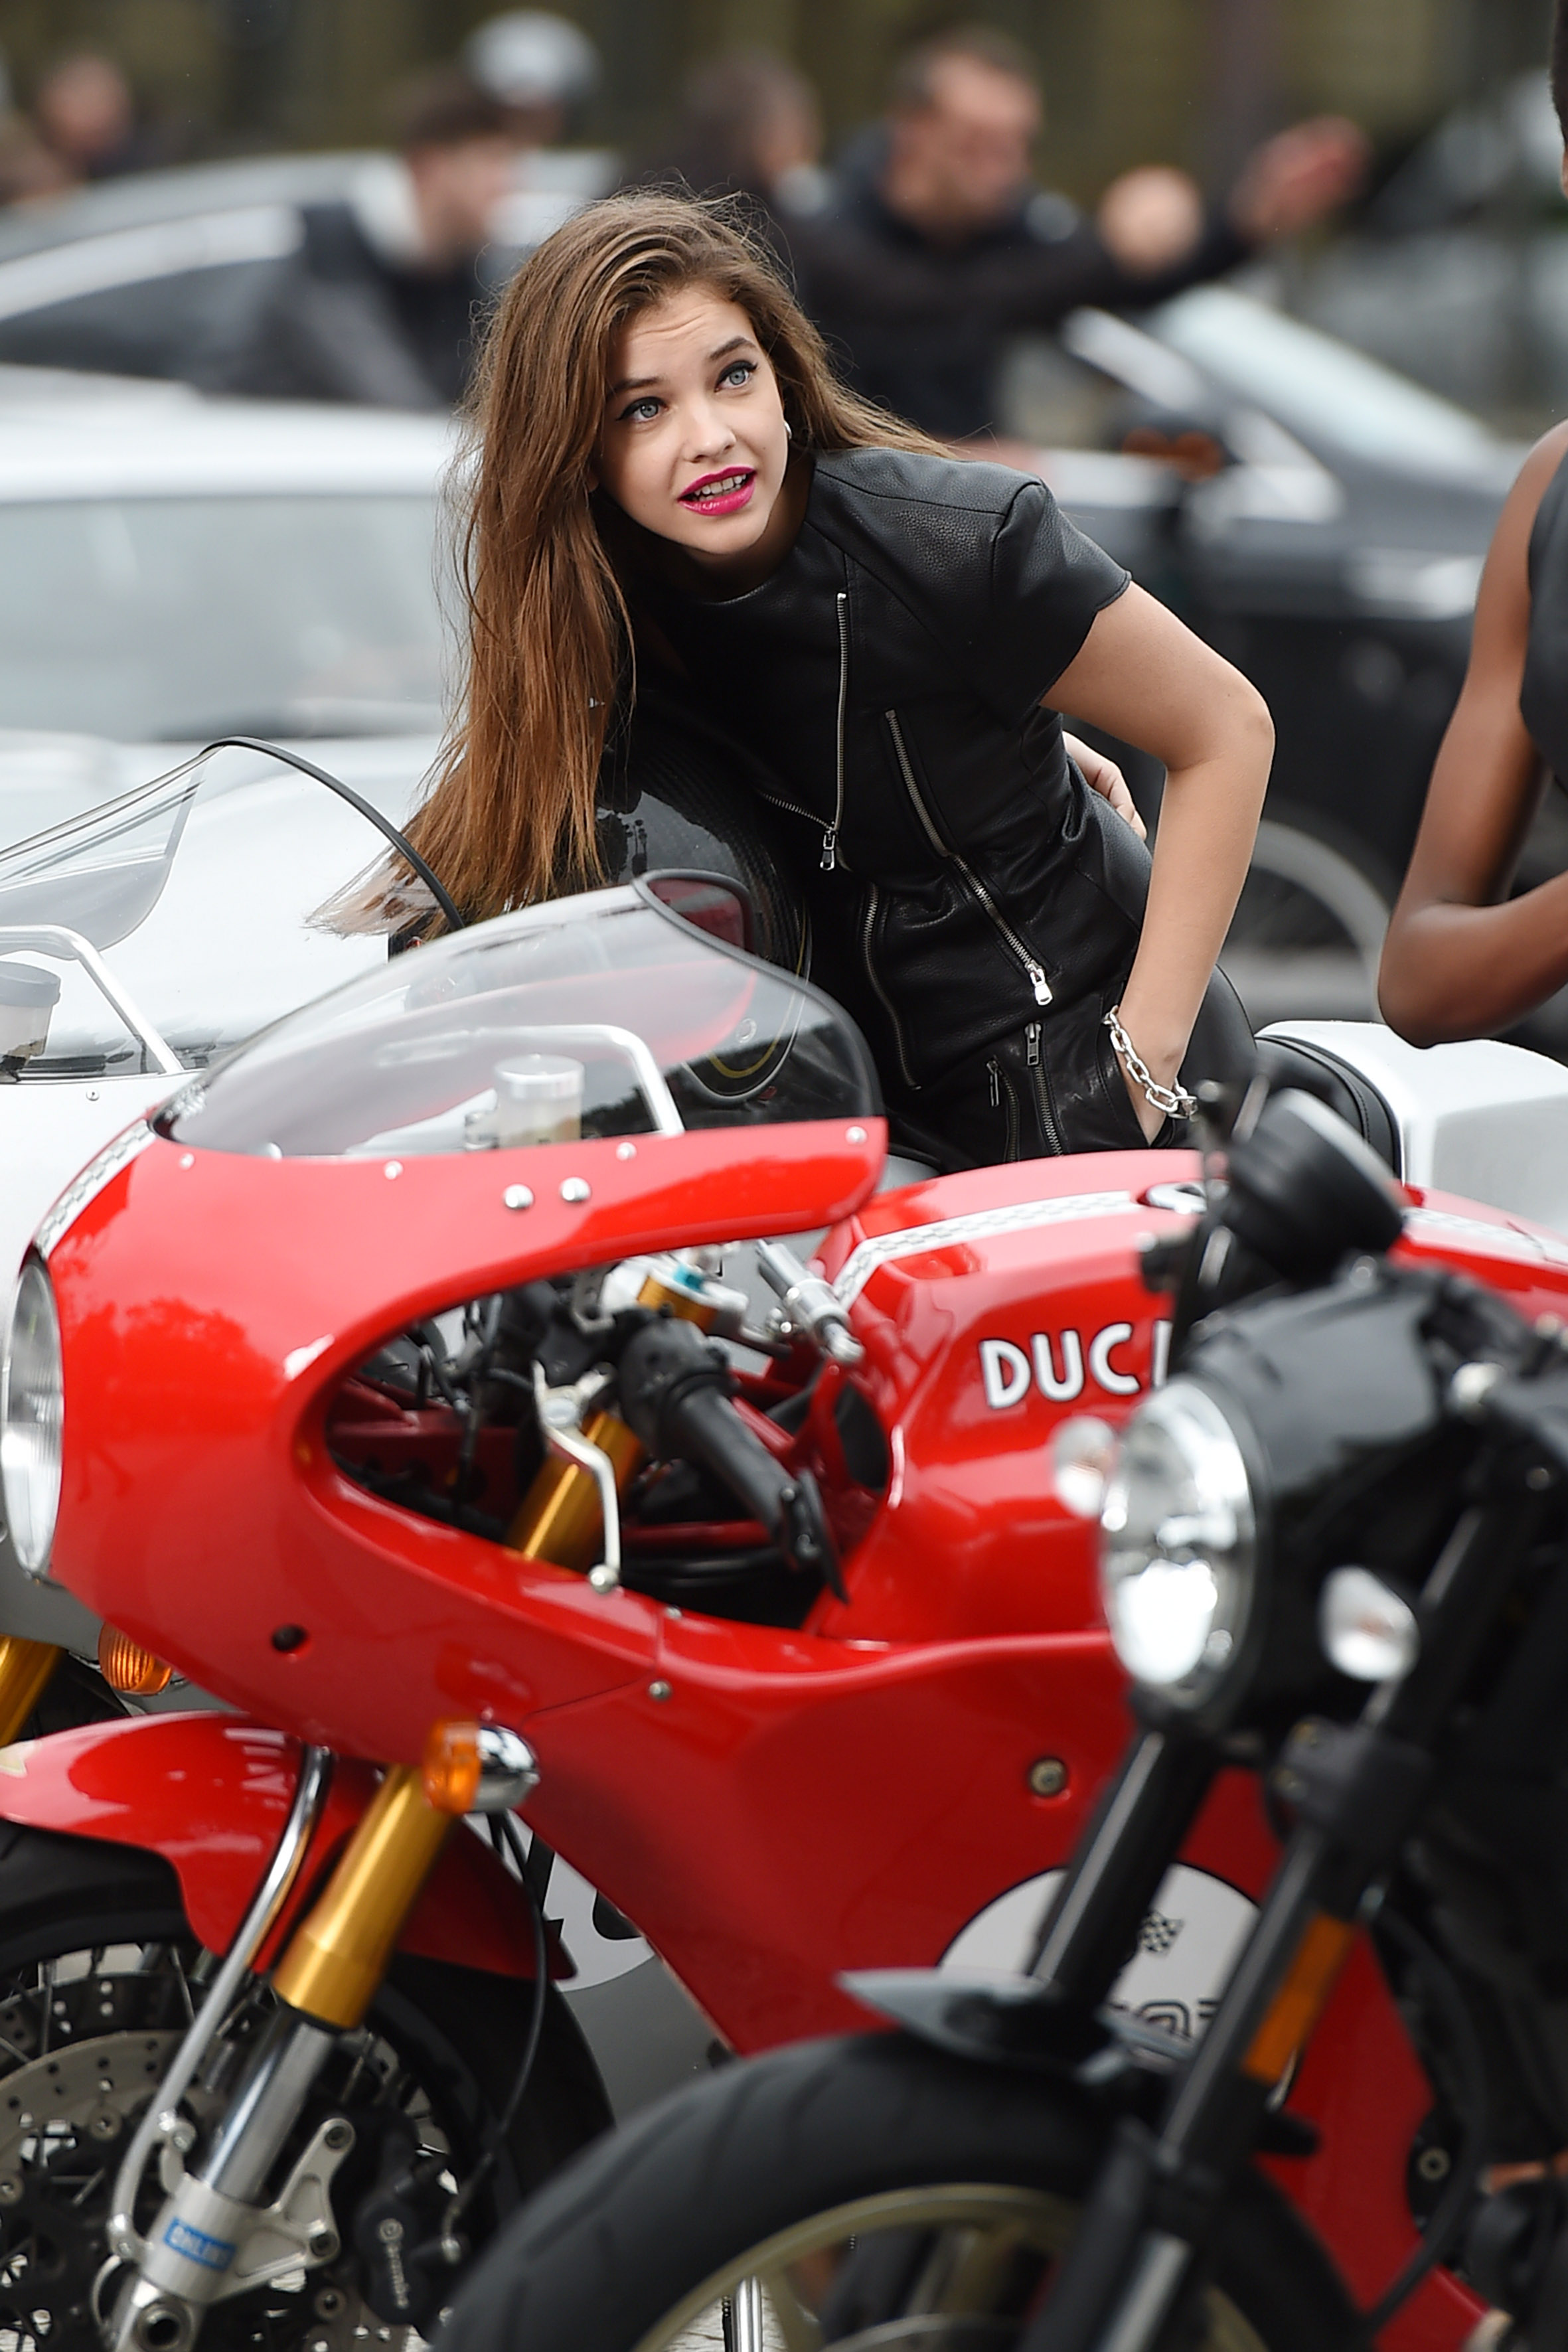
[708, 434]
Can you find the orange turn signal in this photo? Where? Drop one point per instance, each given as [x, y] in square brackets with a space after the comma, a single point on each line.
[129, 1669]
[453, 1766]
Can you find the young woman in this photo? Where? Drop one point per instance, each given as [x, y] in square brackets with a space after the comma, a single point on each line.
[1462, 959]
[669, 481]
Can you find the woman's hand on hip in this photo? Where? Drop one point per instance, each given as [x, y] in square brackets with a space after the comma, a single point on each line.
[1104, 777]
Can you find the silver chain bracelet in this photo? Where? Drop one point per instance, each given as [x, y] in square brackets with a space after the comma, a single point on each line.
[1173, 1102]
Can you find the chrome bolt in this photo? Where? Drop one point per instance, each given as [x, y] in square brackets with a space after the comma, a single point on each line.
[517, 1196]
[104, 2124]
[855, 1135]
[625, 1151]
[392, 1167]
[329, 2304]
[178, 2130]
[659, 1690]
[575, 1190]
[322, 2241]
[338, 2137]
[1048, 1775]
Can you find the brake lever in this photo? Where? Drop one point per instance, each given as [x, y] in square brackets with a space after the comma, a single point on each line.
[561, 1414]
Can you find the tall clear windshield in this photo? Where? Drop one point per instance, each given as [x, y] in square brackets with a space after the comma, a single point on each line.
[159, 929]
[606, 1014]
[172, 620]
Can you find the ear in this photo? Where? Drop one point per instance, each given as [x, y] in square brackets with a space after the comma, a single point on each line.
[591, 475]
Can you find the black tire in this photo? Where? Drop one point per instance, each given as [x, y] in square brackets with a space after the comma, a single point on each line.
[454, 2036]
[623, 2250]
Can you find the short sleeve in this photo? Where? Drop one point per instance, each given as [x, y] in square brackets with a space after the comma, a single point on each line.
[1048, 583]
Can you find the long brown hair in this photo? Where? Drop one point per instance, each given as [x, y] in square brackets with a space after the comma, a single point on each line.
[510, 818]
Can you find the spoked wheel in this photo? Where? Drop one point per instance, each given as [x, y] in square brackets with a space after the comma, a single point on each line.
[868, 2195]
[100, 1976]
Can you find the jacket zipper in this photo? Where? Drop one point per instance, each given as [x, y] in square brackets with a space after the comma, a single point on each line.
[1001, 1083]
[873, 900]
[830, 835]
[1035, 972]
[1042, 1087]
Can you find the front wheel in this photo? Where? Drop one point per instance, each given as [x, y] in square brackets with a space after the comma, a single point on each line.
[99, 1976]
[859, 2193]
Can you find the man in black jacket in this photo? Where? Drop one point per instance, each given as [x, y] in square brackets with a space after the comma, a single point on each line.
[380, 302]
[940, 247]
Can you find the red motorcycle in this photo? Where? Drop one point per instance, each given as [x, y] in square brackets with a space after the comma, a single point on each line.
[385, 1384]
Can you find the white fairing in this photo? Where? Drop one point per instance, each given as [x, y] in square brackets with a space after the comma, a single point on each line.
[1486, 1121]
[1186, 1946]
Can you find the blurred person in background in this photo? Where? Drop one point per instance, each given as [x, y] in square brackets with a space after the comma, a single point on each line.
[85, 115]
[381, 302]
[541, 67]
[1462, 958]
[940, 245]
[747, 125]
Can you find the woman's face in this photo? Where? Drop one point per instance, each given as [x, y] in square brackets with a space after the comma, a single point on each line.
[693, 445]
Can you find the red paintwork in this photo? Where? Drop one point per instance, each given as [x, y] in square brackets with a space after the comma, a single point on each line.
[844, 1795]
[211, 1794]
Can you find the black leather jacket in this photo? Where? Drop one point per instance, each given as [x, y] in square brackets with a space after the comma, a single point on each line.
[974, 905]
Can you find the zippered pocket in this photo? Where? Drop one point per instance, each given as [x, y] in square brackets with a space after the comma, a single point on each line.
[1022, 953]
[869, 957]
[1004, 1098]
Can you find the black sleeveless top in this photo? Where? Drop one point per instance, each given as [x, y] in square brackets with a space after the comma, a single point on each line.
[1544, 696]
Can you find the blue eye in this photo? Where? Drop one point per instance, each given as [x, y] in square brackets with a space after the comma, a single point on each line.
[740, 374]
[640, 411]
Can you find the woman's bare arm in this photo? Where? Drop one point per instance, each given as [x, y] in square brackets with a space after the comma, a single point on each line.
[1143, 676]
[1460, 959]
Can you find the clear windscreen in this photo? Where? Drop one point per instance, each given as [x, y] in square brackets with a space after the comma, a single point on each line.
[606, 1014]
[180, 918]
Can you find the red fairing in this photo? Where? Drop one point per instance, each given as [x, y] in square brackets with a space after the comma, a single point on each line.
[211, 1795]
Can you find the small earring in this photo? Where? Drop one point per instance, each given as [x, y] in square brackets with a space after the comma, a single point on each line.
[789, 430]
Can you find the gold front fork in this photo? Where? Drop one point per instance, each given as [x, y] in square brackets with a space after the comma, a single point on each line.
[559, 1519]
[27, 1669]
[342, 1950]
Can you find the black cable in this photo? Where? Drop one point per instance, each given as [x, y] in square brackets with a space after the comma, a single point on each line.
[1448, 2214]
[504, 1829]
[383, 825]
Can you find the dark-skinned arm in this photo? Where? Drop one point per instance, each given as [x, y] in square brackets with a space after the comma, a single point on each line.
[1461, 958]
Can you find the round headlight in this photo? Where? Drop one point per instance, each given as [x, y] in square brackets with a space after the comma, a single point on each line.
[1177, 1545]
[32, 1415]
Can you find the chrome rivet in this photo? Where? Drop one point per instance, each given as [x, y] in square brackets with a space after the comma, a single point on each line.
[625, 1151]
[659, 1690]
[392, 1167]
[92, 1094]
[575, 1190]
[187, 1159]
[1048, 1775]
[517, 1196]
[855, 1135]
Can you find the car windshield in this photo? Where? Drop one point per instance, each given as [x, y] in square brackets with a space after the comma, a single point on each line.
[1333, 397]
[178, 919]
[176, 619]
[606, 1014]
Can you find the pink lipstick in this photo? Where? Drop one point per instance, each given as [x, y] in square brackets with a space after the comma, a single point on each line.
[721, 494]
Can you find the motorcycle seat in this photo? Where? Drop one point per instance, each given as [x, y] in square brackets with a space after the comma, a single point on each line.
[1317, 1071]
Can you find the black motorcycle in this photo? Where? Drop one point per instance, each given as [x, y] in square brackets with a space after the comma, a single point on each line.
[1334, 1553]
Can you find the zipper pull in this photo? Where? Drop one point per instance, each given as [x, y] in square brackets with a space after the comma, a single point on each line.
[993, 1072]
[1038, 982]
[1032, 1044]
[830, 859]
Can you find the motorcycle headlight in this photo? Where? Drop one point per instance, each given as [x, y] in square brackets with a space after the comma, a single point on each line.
[1178, 1539]
[32, 1417]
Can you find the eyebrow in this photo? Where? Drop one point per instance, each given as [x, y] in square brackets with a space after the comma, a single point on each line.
[646, 382]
